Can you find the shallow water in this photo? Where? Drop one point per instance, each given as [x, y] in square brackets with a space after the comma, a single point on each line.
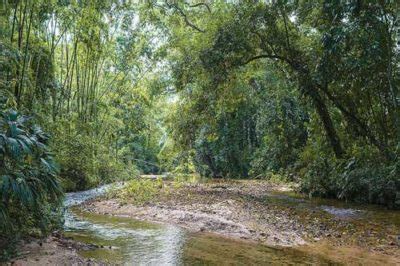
[127, 241]
[122, 240]
[337, 209]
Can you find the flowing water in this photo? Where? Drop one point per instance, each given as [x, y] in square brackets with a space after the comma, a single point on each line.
[120, 240]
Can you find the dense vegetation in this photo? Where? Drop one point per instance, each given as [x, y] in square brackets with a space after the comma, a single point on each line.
[307, 90]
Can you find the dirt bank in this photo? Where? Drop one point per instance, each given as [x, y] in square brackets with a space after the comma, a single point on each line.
[258, 210]
[54, 250]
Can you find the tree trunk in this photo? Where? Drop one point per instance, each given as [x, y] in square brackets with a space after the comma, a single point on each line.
[323, 113]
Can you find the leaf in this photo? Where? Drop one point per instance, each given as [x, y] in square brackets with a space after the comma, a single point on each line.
[14, 148]
[48, 165]
[12, 115]
[25, 147]
[5, 185]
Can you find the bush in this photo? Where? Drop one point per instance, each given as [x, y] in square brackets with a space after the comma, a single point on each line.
[141, 191]
[363, 177]
[85, 162]
[30, 191]
[73, 152]
[108, 170]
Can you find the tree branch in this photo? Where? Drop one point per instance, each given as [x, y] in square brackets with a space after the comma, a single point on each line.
[187, 21]
[202, 4]
[269, 56]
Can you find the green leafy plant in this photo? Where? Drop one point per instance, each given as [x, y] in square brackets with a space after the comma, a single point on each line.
[29, 189]
[140, 191]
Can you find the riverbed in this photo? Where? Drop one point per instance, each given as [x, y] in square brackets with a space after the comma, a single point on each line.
[250, 222]
[270, 216]
[123, 240]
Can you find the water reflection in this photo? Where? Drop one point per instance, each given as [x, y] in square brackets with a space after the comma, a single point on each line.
[127, 241]
[131, 242]
[123, 240]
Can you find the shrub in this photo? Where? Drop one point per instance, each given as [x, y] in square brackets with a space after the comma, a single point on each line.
[30, 192]
[363, 177]
[108, 170]
[141, 191]
[73, 152]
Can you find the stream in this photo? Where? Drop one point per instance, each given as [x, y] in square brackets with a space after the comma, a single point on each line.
[122, 240]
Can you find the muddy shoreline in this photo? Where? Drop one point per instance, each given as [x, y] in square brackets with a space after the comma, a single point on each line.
[53, 250]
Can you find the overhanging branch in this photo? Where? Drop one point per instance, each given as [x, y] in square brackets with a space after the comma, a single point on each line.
[269, 56]
[185, 17]
[202, 4]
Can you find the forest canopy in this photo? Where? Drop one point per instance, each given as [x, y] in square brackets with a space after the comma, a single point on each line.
[93, 92]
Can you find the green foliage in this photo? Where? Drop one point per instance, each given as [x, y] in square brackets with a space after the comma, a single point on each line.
[30, 191]
[281, 125]
[141, 191]
[308, 90]
[224, 151]
[61, 63]
[303, 89]
[74, 155]
[180, 179]
[364, 177]
[85, 162]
